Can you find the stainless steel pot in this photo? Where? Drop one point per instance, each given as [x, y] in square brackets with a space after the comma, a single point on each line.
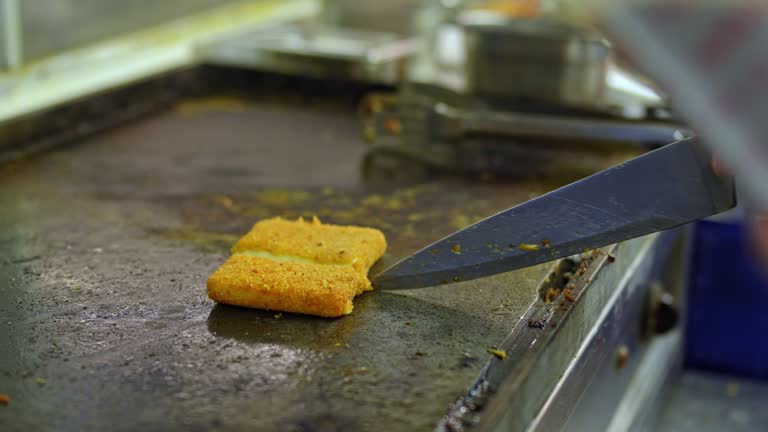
[534, 59]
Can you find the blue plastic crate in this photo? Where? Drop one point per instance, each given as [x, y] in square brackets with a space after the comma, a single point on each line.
[727, 321]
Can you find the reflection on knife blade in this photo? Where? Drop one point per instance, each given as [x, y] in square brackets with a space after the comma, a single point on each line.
[659, 190]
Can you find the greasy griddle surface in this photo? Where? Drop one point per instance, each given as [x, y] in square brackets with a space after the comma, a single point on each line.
[106, 247]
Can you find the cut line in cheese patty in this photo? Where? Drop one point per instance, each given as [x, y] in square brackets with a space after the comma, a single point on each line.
[298, 266]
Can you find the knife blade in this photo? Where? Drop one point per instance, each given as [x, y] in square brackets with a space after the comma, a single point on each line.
[662, 189]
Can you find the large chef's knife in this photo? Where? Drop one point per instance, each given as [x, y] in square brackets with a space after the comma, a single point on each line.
[659, 190]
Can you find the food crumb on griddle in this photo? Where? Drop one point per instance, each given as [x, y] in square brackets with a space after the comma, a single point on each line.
[394, 126]
[529, 247]
[5, 400]
[456, 249]
[551, 295]
[567, 294]
[498, 353]
[40, 381]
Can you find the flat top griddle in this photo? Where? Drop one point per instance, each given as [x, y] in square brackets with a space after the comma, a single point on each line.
[106, 247]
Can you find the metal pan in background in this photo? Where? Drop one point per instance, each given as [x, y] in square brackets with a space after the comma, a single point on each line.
[535, 59]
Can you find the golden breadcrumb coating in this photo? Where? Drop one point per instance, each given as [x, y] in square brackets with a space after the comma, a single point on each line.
[316, 289]
[322, 243]
[298, 266]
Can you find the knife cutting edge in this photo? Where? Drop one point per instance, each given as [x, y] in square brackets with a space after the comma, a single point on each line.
[659, 190]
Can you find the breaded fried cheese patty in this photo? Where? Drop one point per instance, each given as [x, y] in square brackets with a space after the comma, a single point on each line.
[298, 266]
